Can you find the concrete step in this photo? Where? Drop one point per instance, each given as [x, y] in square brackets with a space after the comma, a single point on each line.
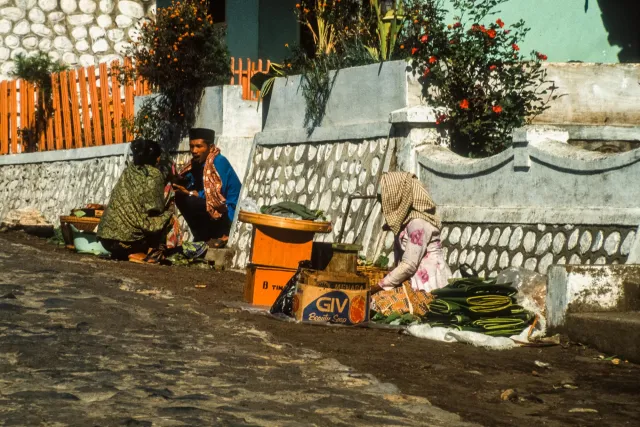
[616, 333]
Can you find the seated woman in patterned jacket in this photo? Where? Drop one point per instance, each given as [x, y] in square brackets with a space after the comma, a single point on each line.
[137, 217]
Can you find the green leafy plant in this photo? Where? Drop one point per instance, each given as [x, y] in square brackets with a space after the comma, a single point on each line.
[179, 55]
[37, 70]
[473, 72]
[388, 28]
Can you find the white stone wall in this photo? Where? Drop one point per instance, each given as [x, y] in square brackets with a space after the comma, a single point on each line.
[77, 32]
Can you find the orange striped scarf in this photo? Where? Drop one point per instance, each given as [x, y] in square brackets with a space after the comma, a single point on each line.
[216, 202]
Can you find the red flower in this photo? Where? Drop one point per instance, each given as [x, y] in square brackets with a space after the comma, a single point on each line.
[541, 56]
[464, 104]
[492, 34]
[441, 119]
[433, 60]
[515, 47]
[500, 23]
[457, 25]
[493, 67]
[426, 72]
[424, 38]
[414, 50]
[497, 109]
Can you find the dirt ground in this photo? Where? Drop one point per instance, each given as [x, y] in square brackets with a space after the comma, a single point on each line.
[578, 388]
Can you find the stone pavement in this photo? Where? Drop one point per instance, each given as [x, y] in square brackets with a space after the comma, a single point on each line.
[82, 347]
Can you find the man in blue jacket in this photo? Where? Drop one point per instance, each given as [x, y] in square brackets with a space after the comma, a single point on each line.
[208, 192]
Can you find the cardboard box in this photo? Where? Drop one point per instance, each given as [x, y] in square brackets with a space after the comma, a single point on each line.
[264, 283]
[342, 281]
[314, 304]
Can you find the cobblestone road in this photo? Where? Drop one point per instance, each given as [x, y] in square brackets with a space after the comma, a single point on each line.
[82, 347]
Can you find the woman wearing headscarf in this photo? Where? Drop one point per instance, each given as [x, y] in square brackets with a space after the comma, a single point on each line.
[410, 213]
[136, 219]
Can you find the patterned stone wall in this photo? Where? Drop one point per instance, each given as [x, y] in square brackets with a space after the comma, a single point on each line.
[57, 187]
[490, 248]
[320, 176]
[78, 32]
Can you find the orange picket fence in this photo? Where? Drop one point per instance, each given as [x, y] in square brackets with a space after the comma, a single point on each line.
[91, 107]
[242, 71]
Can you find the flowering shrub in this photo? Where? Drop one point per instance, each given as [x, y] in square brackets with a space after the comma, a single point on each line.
[179, 55]
[474, 73]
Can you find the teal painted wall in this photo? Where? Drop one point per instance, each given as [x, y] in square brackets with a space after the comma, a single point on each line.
[579, 30]
[278, 26]
[243, 28]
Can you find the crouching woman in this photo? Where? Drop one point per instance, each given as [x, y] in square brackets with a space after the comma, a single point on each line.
[136, 220]
[410, 213]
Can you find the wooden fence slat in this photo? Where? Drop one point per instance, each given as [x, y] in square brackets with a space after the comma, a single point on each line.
[66, 114]
[57, 112]
[13, 115]
[86, 115]
[128, 100]
[42, 130]
[233, 71]
[4, 122]
[95, 106]
[75, 109]
[22, 108]
[105, 105]
[240, 75]
[117, 102]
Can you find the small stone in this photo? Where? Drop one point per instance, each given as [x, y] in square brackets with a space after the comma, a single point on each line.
[480, 261]
[504, 238]
[87, 6]
[60, 29]
[531, 264]
[104, 21]
[453, 257]
[612, 244]
[131, 9]
[47, 5]
[97, 33]
[44, 45]
[79, 33]
[598, 242]
[122, 47]
[134, 36]
[544, 244]
[466, 236]
[575, 260]
[12, 13]
[585, 242]
[106, 6]
[5, 53]
[471, 257]
[41, 30]
[542, 227]
[516, 239]
[83, 46]
[56, 17]
[454, 236]
[30, 42]
[475, 237]
[600, 261]
[463, 257]
[486, 235]
[509, 394]
[444, 233]
[22, 28]
[79, 19]
[54, 56]
[62, 43]
[625, 249]
[115, 34]
[573, 240]
[517, 260]
[68, 6]
[583, 411]
[545, 263]
[7, 68]
[70, 58]
[504, 260]
[558, 243]
[123, 21]
[5, 26]
[100, 46]
[12, 41]
[495, 237]
[562, 261]
[37, 16]
[493, 259]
